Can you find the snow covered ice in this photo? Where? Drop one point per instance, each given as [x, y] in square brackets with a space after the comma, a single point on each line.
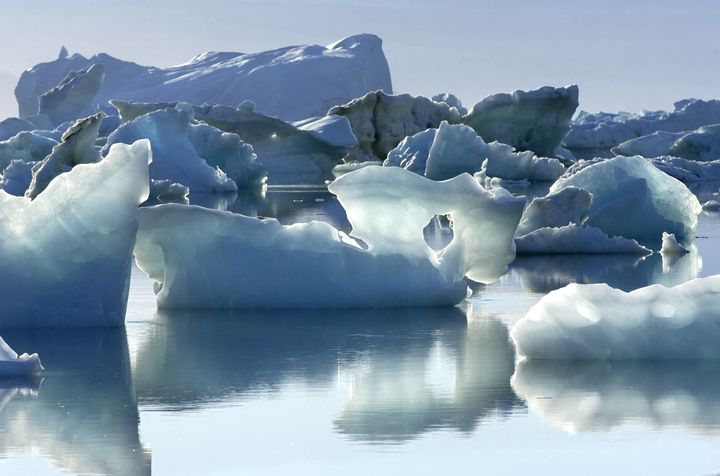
[65, 256]
[290, 83]
[595, 321]
[252, 263]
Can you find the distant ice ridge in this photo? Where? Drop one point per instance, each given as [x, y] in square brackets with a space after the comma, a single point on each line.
[632, 198]
[605, 130]
[201, 258]
[595, 321]
[536, 120]
[453, 149]
[290, 83]
[14, 365]
[65, 256]
[701, 145]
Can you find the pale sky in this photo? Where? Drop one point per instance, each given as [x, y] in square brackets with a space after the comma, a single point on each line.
[624, 54]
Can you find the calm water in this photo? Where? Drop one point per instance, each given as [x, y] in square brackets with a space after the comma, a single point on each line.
[360, 392]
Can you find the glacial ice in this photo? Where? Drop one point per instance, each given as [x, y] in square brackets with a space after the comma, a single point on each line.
[688, 171]
[291, 83]
[14, 365]
[605, 130]
[573, 238]
[335, 130]
[535, 120]
[380, 121]
[73, 97]
[198, 156]
[561, 208]
[670, 246]
[701, 145]
[252, 263]
[453, 149]
[12, 126]
[65, 257]
[25, 146]
[632, 198]
[452, 101]
[595, 321]
[16, 177]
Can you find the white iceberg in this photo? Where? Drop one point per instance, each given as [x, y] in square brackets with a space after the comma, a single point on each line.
[251, 263]
[595, 321]
[656, 144]
[453, 149]
[605, 130]
[14, 365]
[73, 97]
[535, 120]
[291, 83]
[65, 257]
[380, 121]
[670, 246]
[632, 198]
[199, 156]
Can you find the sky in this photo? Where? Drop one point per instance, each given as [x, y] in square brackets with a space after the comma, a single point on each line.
[624, 54]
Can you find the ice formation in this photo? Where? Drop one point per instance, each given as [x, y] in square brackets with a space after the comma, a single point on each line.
[25, 146]
[12, 126]
[66, 255]
[16, 177]
[72, 99]
[452, 101]
[77, 146]
[604, 130]
[599, 396]
[688, 171]
[199, 156]
[527, 120]
[573, 238]
[251, 263]
[595, 321]
[380, 121]
[291, 83]
[670, 246]
[453, 149]
[566, 206]
[14, 365]
[702, 144]
[334, 130]
[632, 198]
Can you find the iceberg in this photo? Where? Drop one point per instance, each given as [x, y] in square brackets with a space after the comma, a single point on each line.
[12, 126]
[607, 130]
[670, 246]
[65, 257]
[569, 205]
[16, 177]
[701, 145]
[335, 130]
[453, 149]
[633, 199]
[380, 121]
[575, 238]
[290, 83]
[535, 120]
[597, 322]
[14, 365]
[253, 263]
[198, 156]
[73, 97]
[452, 101]
[26, 146]
[688, 171]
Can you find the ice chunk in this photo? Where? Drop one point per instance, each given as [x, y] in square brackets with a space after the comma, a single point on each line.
[595, 321]
[454, 149]
[632, 198]
[670, 246]
[575, 238]
[291, 83]
[653, 145]
[452, 101]
[380, 121]
[73, 97]
[604, 130]
[16, 177]
[566, 206]
[25, 146]
[251, 263]
[14, 365]
[177, 145]
[535, 120]
[12, 126]
[688, 171]
[700, 145]
[65, 256]
[77, 147]
[165, 190]
[335, 130]
[711, 206]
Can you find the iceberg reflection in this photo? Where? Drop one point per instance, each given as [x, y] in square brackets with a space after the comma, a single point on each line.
[84, 417]
[598, 396]
[400, 372]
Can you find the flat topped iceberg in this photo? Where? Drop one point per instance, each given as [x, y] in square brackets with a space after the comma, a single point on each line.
[291, 83]
[65, 257]
[201, 258]
[535, 120]
[595, 321]
[632, 198]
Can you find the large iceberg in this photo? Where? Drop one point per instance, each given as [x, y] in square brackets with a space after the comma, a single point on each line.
[65, 257]
[595, 321]
[632, 198]
[453, 149]
[291, 83]
[606, 130]
[380, 121]
[251, 263]
[199, 156]
[535, 120]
